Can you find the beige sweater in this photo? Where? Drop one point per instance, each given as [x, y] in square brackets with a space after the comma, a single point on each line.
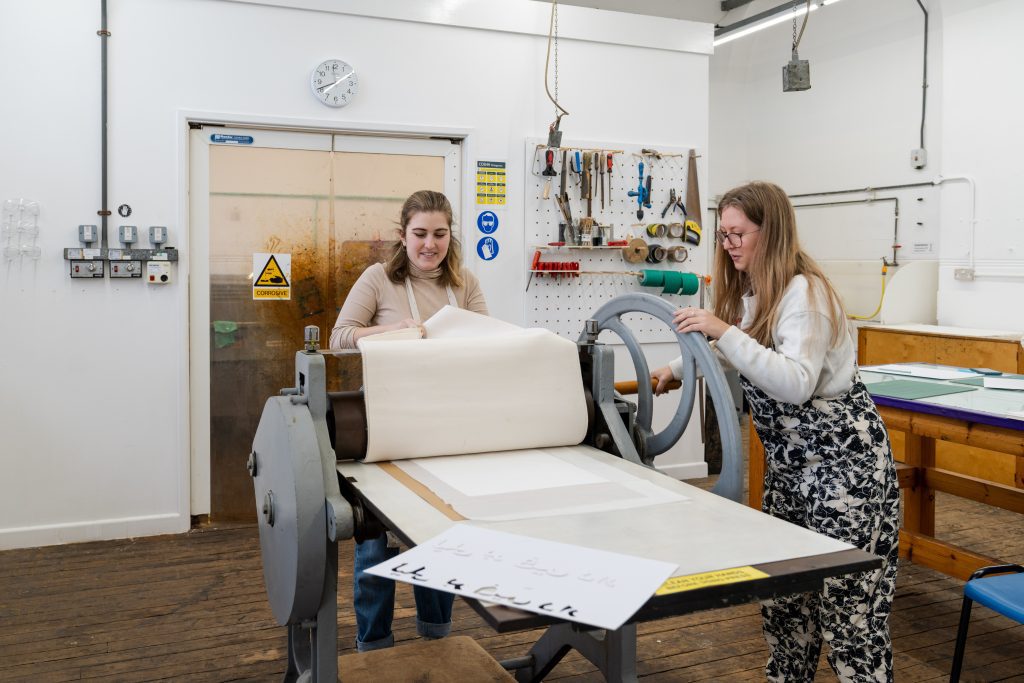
[376, 300]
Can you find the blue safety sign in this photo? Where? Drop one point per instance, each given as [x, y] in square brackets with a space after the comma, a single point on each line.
[487, 248]
[231, 139]
[487, 221]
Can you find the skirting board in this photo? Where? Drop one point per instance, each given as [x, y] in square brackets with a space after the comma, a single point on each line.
[93, 530]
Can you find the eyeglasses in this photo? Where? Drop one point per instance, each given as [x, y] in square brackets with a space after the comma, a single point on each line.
[734, 239]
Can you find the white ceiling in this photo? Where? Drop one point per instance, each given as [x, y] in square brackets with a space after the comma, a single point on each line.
[709, 11]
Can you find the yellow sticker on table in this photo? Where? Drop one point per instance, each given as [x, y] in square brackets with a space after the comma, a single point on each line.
[678, 584]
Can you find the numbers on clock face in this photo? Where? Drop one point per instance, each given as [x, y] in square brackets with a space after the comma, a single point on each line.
[334, 83]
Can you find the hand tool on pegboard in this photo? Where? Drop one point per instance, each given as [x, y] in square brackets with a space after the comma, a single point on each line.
[563, 196]
[599, 162]
[608, 161]
[674, 202]
[693, 192]
[533, 266]
[642, 192]
[549, 171]
[692, 232]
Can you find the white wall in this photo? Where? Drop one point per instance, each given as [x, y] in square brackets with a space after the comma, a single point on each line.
[856, 126]
[94, 405]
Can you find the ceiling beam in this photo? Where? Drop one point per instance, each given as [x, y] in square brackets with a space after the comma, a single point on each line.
[774, 11]
[728, 5]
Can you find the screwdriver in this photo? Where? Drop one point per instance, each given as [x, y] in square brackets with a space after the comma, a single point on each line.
[609, 162]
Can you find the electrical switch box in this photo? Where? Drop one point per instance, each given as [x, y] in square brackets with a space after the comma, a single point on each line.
[918, 158]
[128, 234]
[125, 268]
[86, 234]
[796, 75]
[157, 235]
[158, 272]
[86, 269]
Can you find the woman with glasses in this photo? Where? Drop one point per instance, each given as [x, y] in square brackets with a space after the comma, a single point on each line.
[828, 464]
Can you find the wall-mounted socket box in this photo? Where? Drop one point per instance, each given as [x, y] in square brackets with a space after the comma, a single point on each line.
[128, 234]
[158, 272]
[86, 269]
[125, 268]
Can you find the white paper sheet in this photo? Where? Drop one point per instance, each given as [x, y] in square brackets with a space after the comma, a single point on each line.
[506, 472]
[921, 370]
[392, 335]
[570, 582]
[552, 482]
[1004, 383]
[456, 395]
[451, 322]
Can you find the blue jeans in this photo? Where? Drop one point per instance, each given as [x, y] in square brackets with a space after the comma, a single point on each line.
[374, 601]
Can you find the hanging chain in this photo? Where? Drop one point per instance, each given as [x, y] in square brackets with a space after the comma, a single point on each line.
[793, 49]
[555, 9]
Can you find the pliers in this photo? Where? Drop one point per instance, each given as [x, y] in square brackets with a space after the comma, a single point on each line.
[674, 202]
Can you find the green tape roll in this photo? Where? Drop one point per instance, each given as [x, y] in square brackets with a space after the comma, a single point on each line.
[652, 278]
[689, 283]
[673, 281]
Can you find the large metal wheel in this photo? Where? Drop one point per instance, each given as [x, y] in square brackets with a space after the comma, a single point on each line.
[695, 353]
[289, 485]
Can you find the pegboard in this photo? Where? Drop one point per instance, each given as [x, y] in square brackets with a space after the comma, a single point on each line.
[562, 303]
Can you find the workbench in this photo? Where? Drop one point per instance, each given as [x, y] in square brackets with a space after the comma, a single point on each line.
[990, 419]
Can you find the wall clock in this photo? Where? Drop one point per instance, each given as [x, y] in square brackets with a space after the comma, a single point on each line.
[334, 82]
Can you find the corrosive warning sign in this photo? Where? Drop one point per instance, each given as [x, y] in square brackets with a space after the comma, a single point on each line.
[271, 276]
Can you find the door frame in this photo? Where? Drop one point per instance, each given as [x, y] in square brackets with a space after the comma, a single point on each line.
[196, 473]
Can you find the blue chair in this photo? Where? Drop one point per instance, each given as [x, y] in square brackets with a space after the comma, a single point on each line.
[1003, 594]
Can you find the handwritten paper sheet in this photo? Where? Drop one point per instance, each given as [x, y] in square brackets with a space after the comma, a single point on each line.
[569, 582]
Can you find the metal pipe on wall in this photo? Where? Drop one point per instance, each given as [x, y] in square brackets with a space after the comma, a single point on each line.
[103, 212]
[896, 218]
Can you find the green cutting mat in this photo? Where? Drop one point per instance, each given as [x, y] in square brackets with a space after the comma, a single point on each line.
[909, 389]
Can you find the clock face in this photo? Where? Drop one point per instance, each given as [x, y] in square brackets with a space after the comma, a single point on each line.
[334, 83]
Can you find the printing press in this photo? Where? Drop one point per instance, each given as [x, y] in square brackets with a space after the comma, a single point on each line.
[314, 488]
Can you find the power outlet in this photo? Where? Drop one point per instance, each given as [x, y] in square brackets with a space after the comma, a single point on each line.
[965, 274]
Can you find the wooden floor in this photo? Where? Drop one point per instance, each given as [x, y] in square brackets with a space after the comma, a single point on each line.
[192, 607]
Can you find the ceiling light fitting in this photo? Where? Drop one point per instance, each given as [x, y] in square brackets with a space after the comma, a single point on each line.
[757, 22]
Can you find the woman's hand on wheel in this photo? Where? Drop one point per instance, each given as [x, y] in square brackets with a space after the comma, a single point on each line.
[662, 376]
[691, 319]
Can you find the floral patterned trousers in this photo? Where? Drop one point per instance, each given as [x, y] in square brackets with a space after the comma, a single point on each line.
[829, 468]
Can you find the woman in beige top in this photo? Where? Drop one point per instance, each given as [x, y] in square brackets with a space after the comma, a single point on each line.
[423, 275]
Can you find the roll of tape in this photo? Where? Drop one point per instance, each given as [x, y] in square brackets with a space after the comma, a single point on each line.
[635, 251]
[656, 253]
[656, 230]
[673, 282]
[676, 230]
[690, 283]
[652, 278]
[678, 254]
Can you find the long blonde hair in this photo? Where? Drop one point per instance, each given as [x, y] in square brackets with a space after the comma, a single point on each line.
[426, 201]
[777, 259]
